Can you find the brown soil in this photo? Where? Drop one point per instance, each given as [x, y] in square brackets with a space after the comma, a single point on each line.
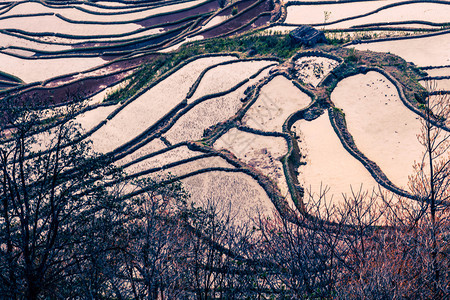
[59, 95]
[241, 5]
[176, 16]
[58, 92]
[260, 21]
[236, 22]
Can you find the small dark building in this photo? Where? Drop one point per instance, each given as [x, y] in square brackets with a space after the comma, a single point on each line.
[308, 36]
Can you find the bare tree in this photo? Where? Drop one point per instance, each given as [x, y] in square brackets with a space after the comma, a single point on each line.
[153, 263]
[431, 183]
[219, 251]
[49, 195]
[407, 254]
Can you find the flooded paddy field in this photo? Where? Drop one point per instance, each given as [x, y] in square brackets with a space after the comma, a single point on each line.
[221, 96]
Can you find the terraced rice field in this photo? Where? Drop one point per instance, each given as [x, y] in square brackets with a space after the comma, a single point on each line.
[416, 50]
[150, 106]
[241, 127]
[31, 70]
[329, 167]
[241, 198]
[311, 70]
[382, 127]
[349, 15]
[276, 102]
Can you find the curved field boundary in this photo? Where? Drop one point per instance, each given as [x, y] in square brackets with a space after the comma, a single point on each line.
[130, 7]
[65, 19]
[74, 37]
[130, 4]
[170, 26]
[366, 14]
[139, 93]
[5, 5]
[404, 99]
[141, 43]
[212, 3]
[241, 5]
[397, 38]
[135, 2]
[348, 141]
[119, 10]
[339, 126]
[86, 97]
[55, 56]
[167, 122]
[252, 96]
[31, 39]
[317, 53]
[215, 95]
[8, 77]
[283, 15]
[128, 10]
[168, 166]
[338, 123]
[241, 112]
[106, 64]
[137, 10]
[8, 92]
[288, 170]
[108, 23]
[248, 8]
[269, 187]
[437, 93]
[11, 6]
[288, 167]
[264, 133]
[59, 4]
[191, 146]
[412, 22]
[153, 154]
[4, 85]
[360, 29]
[435, 67]
[292, 158]
[179, 178]
[325, 2]
[166, 75]
[193, 30]
[79, 81]
[199, 21]
[145, 42]
[252, 93]
[112, 48]
[271, 190]
[248, 26]
[190, 106]
[28, 89]
[194, 87]
[63, 121]
[427, 78]
[27, 15]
